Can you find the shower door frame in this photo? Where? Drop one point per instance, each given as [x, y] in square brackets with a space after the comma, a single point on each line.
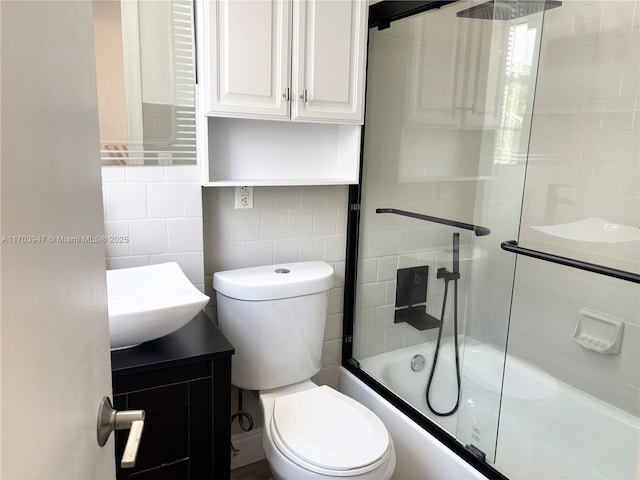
[381, 15]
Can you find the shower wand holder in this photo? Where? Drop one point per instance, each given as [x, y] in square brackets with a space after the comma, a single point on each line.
[447, 275]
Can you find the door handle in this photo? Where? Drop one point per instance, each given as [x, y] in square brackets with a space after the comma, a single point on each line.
[133, 442]
[110, 420]
[304, 97]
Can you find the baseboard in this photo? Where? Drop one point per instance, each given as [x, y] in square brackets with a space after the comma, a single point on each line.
[250, 446]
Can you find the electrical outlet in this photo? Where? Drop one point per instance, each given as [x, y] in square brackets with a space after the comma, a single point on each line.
[244, 197]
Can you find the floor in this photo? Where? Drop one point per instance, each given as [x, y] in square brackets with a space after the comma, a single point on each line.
[253, 471]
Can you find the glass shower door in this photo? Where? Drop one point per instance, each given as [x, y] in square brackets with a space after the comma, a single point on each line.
[522, 118]
[502, 165]
[448, 113]
[571, 402]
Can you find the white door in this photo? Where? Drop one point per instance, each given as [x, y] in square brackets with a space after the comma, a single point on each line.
[55, 360]
[329, 50]
[247, 58]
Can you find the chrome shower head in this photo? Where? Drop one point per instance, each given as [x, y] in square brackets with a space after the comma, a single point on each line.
[507, 9]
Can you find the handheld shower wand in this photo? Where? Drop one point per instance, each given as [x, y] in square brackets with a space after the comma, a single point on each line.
[447, 277]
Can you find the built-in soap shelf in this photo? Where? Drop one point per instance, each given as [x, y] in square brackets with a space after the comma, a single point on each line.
[598, 332]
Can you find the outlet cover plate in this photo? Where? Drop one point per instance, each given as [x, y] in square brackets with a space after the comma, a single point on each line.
[243, 198]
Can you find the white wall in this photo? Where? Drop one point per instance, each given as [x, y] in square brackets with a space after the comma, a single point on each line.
[160, 210]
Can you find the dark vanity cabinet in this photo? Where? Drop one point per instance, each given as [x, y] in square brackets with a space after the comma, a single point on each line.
[182, 382]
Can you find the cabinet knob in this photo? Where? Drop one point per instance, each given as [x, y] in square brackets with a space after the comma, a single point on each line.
[304, 96]
[286, 95]
[110, 420]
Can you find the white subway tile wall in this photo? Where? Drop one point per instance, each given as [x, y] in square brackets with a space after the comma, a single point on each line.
[159, 209]
[165, 200]
[287, 224]
[148, 236]
[375, 330]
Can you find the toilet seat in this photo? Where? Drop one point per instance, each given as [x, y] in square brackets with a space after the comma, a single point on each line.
[328, 433]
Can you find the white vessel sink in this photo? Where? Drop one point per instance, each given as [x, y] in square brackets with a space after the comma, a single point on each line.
[149, 302]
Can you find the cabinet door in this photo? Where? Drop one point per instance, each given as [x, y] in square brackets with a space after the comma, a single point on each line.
[165, 440]
[247, 58]
[329, 49]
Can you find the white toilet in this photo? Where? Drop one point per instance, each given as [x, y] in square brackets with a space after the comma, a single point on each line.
[274, 316]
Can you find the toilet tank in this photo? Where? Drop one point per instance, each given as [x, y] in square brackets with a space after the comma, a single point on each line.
[274, 316]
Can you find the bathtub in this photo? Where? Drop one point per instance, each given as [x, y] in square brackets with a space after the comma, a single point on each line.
[538, 428]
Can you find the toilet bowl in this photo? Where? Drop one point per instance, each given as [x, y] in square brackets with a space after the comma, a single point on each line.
[275, 317]
[314, 432]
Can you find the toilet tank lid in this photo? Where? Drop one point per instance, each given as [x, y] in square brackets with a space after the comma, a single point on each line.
[272, 282]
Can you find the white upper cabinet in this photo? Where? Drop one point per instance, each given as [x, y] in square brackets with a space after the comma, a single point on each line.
[247, 45]
[328, 50]
[276, 59]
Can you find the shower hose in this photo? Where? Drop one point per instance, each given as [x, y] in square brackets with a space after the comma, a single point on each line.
[447, 278]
